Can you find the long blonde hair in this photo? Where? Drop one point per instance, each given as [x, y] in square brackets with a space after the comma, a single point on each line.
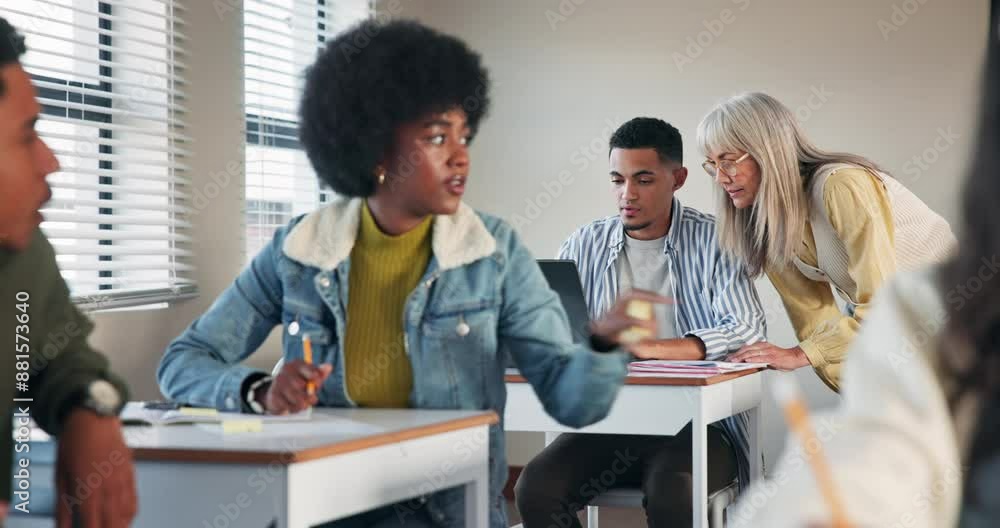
[766, 234]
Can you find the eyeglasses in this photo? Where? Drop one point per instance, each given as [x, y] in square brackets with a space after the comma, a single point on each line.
[727, 166]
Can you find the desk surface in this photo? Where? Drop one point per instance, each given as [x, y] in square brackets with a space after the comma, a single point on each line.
[513, 376]
[329, 432]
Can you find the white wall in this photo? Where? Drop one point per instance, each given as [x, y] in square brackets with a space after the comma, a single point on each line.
[566, 73]
[559, 92]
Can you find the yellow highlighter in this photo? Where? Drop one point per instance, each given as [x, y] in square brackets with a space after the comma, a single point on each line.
[786, 392]
[307, 355]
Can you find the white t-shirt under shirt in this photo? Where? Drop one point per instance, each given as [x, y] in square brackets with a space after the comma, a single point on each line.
[643, 264]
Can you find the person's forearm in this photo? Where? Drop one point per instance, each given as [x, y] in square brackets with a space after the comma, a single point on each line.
[684, 348]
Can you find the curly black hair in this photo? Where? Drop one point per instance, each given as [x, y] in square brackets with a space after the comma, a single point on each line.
[649, 132]
[11, 46]
[370, 80]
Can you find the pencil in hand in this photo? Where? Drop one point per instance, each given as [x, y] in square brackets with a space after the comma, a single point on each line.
[786, 393]
[307, 356]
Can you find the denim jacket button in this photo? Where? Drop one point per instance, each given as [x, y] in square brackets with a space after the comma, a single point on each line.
[293, 328]
[324, 282]
[462, 329]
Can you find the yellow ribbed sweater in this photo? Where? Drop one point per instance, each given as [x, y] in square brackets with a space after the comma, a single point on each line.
[384, 270]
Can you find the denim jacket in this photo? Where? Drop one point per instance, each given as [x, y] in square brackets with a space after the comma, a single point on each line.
[480, 273]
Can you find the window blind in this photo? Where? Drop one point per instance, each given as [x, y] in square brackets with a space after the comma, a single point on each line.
[109, 76]
[281, 39]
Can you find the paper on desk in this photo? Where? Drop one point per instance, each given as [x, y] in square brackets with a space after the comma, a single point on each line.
[136, 413]
[302, 416]
[688, 369]
[321, 425]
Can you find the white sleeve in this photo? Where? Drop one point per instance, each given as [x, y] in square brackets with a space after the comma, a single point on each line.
[890, 444]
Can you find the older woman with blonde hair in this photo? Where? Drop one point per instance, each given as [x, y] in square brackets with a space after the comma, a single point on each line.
[814, 222]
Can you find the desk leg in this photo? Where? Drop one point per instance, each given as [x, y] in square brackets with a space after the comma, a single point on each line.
[699, 468]
[477, 499]
[756, 443]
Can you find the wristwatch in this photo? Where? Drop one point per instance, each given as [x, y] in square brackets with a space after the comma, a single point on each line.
[102, 397]
[251, 393]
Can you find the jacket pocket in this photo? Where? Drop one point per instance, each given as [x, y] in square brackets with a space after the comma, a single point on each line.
[295, 325]
[458, 345]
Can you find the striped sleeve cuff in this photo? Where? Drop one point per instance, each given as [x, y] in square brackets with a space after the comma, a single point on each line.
[716, 344]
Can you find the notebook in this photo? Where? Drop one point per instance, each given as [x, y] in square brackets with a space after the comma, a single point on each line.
[687, 369]
[135, 413]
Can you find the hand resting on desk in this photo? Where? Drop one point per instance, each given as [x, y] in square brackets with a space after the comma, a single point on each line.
[776, 357]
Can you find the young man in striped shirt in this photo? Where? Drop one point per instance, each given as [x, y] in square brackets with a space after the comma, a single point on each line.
[654, 244]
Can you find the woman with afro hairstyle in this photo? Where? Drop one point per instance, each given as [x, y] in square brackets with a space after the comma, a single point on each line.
[411, 299]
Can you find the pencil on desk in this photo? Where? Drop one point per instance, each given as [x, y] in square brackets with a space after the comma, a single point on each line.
[787, 394]
[307, 354]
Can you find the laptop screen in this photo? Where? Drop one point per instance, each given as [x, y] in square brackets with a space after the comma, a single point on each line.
[564, 279]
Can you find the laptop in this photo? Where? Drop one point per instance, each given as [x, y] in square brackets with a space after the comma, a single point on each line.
[565, 281]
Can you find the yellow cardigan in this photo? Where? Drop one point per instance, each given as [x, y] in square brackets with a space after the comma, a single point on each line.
[858, 207]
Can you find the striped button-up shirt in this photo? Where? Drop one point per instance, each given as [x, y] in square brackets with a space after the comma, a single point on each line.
[716, 300]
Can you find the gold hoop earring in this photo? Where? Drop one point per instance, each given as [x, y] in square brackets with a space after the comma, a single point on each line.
[381, 177]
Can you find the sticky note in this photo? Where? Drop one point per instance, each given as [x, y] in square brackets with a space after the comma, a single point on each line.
[639, 309]
[633, 335]
[198, 411]
[242, 426]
